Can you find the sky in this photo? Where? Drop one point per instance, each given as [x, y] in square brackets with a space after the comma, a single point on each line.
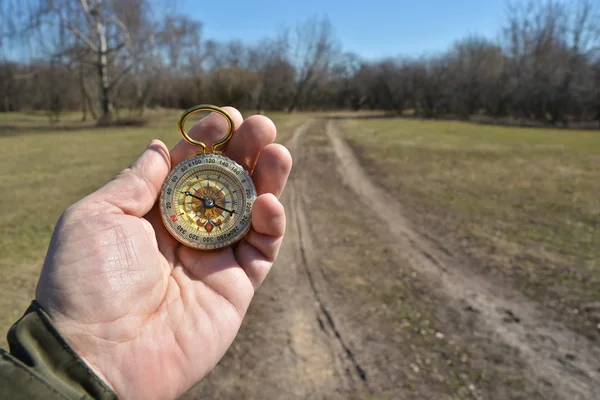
[372, 28]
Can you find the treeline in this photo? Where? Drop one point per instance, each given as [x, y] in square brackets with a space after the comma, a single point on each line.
[544, 66]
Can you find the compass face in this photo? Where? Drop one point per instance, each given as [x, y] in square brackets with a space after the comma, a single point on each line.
[206, 202]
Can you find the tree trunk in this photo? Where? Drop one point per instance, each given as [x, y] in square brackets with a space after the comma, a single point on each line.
[295, 101]
[142, 92]
[107, 106]
[84, 107]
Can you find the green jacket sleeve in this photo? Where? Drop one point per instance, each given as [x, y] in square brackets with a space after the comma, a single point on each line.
[41, 365]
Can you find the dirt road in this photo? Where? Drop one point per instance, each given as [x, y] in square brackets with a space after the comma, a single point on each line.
[361, 304]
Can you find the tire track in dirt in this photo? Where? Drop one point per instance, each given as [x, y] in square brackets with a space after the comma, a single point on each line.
[555, 355]
[289, 345]
[318, 365]
[355, 374]
[315, 366]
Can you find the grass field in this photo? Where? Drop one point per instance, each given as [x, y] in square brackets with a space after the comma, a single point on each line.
[45, 168]
[519, 206]
[523, 202]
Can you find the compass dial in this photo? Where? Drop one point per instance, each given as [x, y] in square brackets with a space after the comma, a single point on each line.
[206, 202]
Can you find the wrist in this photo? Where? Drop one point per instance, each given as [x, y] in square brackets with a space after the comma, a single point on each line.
[36, 341]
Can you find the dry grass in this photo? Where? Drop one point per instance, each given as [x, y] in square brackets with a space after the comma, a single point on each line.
[45, 168]
[525, 203]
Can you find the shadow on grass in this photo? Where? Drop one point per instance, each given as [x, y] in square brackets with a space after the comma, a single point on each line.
[478, 120]
[365, 116]
[9, 130]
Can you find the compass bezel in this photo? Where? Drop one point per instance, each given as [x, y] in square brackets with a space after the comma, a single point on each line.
[179, 224]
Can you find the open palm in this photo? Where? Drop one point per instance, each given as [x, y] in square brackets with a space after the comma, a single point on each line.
[150, 316]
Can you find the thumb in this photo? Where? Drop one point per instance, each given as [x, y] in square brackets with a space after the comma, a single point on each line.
[135, 189]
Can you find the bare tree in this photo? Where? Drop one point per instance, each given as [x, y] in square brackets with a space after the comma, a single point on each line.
[109, 35]
[268, 59]
[231, 54]
[179, 41]
[347, 93]
[545, 65]
[475, 67]
[312, 48]
[548, 46]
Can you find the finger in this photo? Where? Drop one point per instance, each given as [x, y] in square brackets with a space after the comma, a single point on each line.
[272, 169]
[135, 189]
[260, 247]
[253, 135]
[208, 130]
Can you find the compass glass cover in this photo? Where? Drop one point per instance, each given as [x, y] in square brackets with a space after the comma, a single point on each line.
[206, 202]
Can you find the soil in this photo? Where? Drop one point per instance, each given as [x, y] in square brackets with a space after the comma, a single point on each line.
[362, 303]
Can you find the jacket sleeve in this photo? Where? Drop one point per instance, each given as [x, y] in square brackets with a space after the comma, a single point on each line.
[41, 365]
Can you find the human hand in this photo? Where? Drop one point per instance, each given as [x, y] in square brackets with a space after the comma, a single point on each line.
[149, 315]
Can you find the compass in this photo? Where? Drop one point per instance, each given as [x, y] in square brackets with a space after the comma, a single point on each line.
[206, 200]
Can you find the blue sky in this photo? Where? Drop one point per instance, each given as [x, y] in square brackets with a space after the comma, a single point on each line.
[373, 29]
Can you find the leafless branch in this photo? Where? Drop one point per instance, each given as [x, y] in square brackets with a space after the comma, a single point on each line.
[73, 28]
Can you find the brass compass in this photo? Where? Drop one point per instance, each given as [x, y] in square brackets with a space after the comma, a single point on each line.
[206, 201]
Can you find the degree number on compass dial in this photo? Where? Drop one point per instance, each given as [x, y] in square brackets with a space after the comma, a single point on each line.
[206, 202]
